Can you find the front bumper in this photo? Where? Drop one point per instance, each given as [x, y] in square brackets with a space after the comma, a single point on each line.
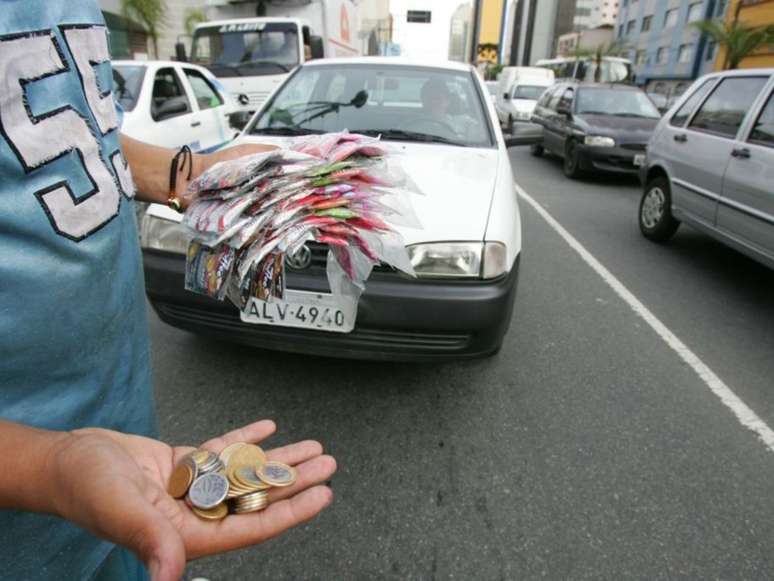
[617, 159]
[398, 318]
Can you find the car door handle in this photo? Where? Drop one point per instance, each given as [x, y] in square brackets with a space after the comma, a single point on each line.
[741, 153]
[681, 138]
[196, 124]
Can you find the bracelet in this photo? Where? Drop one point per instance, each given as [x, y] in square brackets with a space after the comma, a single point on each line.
[181, 157]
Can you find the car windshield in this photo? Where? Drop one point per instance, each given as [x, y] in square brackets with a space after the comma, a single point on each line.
[127, 82]
[621, 103]
[398, 102]
[531, 92]
[251, 48]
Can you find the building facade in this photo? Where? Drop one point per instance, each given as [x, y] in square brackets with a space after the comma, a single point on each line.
[533, 27]
[588, 39]
[667, 51]
[595, 13]
[752, 13]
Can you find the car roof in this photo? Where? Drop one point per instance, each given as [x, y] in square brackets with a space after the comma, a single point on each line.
[586, 85]
[153, 63]
[740, 73]
[391, 61]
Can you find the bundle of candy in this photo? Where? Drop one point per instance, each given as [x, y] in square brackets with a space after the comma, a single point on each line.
[338, 189]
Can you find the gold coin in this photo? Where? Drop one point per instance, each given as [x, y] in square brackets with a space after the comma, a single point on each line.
[276, 474]
[226, 452]
[217, 513]
[247, 454]
[181, 479]
[200, 456]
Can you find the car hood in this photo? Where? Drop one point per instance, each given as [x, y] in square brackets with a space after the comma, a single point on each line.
[634, 129]
[457, 185]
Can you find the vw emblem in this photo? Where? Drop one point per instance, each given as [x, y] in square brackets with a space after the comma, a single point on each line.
[301, 259]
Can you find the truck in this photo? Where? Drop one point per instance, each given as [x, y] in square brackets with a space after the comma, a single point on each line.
[251, 47]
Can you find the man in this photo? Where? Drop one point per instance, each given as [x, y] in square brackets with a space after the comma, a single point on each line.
[73, 329]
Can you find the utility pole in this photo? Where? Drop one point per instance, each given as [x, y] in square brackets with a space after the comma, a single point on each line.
[476, 30]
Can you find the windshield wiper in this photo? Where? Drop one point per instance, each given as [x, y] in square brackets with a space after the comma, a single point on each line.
[285, 68]
[286, 130]
[403, 135]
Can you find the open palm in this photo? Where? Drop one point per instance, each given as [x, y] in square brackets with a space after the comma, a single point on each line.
[114, 485]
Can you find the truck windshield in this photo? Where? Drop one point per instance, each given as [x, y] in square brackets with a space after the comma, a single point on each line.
[247, 49]
[398, 102]
[529, 92]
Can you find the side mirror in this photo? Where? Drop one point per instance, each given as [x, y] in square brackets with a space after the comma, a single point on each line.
[317, 47]
[239, 119]
[171, 108]
[506, 96]
[180, 52]
[514, 141]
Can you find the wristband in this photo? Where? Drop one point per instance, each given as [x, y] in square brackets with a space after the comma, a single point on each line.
[185, 155]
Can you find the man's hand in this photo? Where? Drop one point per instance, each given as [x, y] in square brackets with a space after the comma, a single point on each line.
[114, 485]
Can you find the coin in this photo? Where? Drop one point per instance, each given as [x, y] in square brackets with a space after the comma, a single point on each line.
[226, 452]
[200, 456]
[247, 454]
[181, 479]
[247, 476]
[276, 474]
[218, 512]
[251, 502]
[208, 491]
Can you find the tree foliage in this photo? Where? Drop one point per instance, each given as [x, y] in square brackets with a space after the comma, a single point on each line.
[149, 13]
[597, 55]
[739, 39]
[192, 18]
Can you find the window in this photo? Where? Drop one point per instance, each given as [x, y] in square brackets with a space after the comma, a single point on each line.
[725, 109]
[721, 8]
[646, 22]
[206, 96]
[554, 99]
[567, 97]
[167, 87]
[127, 82]
[670, 19]
[630, 26]
[695, 12]
[418, 16]
[661, 55]
[684, 53]
[763, 132]
[711, 49]
[640, 57]
[682, 115]
[543, 102]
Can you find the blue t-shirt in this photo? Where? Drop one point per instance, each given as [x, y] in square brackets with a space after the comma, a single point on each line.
[73, 328]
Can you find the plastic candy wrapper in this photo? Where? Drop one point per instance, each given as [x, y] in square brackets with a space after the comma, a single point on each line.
[343, 190]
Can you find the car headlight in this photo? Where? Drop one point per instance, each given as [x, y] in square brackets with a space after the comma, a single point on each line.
[599, 141]
[458, 259]
[160, 234]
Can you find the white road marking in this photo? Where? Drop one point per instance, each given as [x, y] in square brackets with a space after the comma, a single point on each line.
[746, 416]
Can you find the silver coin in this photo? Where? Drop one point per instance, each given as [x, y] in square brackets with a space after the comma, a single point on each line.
[208, 491]
[247, 474]
[217, 466]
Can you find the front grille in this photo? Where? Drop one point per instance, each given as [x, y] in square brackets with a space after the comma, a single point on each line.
[257, 97]
[320, 257]
[634, 146]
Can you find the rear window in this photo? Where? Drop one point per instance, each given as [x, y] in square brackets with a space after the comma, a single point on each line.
[725, 109]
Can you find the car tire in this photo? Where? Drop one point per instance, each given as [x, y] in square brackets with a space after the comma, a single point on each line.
[536, 150]
[655, 213]
[571, 164]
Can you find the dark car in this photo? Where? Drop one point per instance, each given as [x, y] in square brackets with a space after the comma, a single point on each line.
[595, 127]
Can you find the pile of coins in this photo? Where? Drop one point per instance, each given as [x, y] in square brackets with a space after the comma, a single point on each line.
[235, 481]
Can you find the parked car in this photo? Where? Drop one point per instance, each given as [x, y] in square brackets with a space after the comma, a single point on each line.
[519, 89]
[439, 119]
[172, 104]
[595, 127]
[491, 87]
[710, 164]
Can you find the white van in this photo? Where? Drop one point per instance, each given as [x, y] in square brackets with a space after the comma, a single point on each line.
[519, 89]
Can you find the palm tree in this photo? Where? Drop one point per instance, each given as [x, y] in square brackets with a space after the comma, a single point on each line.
[192, 18]
[148, 12]
[597, 55]
[739, 39]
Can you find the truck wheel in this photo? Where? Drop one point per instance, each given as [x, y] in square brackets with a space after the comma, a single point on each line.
[655, 215]
[571, 164]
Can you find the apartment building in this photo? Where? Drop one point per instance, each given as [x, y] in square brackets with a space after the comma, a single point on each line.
[595, 13]
[668, 52]
[752, 13]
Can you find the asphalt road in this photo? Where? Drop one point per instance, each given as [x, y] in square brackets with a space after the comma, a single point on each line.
[587, 449]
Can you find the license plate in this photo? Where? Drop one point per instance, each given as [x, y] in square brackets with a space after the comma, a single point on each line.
[639, 159]
[306, 310]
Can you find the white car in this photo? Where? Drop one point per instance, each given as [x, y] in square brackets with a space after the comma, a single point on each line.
[172, 104]
[466, 255]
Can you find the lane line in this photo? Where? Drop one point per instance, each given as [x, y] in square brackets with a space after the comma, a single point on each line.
[746, 416]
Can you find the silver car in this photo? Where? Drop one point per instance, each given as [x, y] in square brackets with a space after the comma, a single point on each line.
[710, 164]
